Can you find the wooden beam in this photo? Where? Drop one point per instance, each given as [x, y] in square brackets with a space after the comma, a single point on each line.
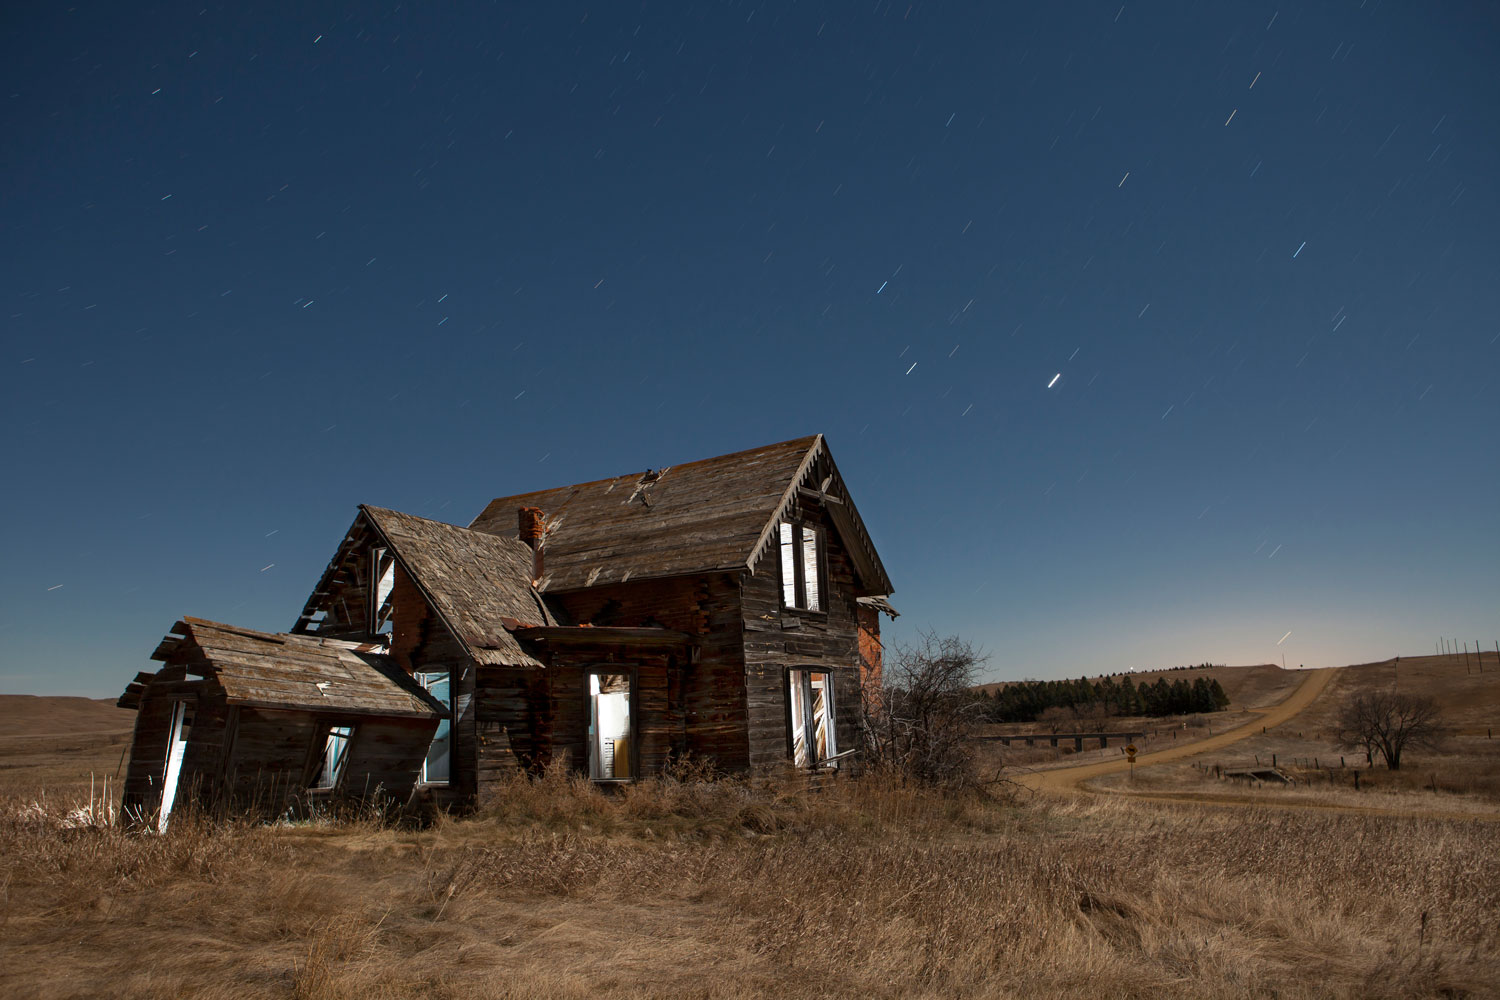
[818, 495]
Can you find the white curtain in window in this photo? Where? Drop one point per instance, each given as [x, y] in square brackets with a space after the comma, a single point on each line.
[788, 568]
[810, 568]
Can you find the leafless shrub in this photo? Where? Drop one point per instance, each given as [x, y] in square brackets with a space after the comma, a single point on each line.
[921, 729]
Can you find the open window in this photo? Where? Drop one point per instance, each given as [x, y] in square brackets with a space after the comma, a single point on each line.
[801, 566]
[383, 581]
[810, 706]
[335, 755]
[177, 741]
[611, 727]
[437, 766]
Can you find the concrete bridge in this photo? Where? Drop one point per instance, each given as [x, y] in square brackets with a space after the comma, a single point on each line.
[1030, 738]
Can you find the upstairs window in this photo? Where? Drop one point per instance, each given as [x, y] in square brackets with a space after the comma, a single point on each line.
[383, 578]
[801, 565]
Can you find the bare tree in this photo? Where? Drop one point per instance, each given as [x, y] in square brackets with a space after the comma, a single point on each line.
[927, 711]
[1388, 723]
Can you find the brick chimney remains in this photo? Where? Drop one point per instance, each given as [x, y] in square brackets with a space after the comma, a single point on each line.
[532, 531]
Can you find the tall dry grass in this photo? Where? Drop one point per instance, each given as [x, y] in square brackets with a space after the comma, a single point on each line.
[732, 889]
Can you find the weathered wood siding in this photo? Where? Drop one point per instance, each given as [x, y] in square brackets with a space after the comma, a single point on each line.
[778, 640]
[509, 706]
[707, 607]
[275, 756]
[656, 715]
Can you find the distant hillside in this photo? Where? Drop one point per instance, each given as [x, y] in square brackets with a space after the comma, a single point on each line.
[33, 715]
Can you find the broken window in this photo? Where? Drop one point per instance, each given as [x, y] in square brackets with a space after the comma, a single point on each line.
[335, 755]
[800, 561]
[383, 578]
[437, 765]
[611, 731]
[177, 741]
[810, 705]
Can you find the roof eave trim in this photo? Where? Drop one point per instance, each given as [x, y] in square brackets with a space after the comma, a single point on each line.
[813, 451]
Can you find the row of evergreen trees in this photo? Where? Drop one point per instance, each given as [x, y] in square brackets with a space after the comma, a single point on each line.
[1027, 700]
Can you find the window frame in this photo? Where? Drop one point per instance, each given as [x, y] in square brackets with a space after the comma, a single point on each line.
[422, 778]
[326, 729]
[803, 686]
[380, 613]
[799, 574]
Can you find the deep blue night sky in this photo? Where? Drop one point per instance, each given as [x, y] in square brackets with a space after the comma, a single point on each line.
[260, 268]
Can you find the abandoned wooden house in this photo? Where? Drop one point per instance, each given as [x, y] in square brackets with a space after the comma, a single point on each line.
[726, 609]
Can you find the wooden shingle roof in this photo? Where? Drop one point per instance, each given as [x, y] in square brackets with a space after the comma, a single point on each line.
[711, 515]
[296, 672]
[479, 584]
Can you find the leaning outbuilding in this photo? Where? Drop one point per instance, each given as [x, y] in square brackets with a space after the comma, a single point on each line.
[265, 723]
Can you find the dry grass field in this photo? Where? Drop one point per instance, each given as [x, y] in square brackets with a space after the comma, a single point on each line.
[729, 889]
[726, 890]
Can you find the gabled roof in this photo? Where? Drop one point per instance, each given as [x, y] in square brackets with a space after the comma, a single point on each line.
[478, 585]
[717, 514]
[297, 672]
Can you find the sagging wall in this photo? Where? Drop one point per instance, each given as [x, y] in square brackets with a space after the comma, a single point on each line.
[275, 756]
[777, 640]
[261, 761]
[706, 607]
[202, 759]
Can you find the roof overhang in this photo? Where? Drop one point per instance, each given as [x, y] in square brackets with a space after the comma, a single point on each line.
[602, 635]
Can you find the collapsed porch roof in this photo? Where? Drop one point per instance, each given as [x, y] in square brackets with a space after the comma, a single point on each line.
[290, 672]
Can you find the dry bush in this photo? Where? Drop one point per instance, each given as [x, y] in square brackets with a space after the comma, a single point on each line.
[47, 843]
[926, 713]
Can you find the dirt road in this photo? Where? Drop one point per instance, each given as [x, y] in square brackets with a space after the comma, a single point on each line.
[1069, 778]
